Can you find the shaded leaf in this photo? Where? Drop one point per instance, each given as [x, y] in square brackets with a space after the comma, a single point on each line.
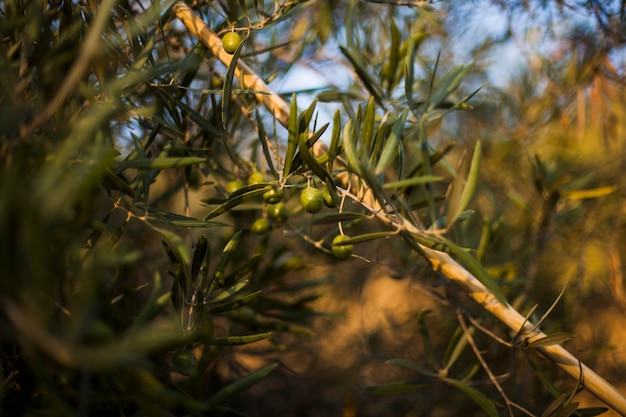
[478, 397]
[401, 386]
[238, 340]
[161, 163]
[403, 363]
[239, 386]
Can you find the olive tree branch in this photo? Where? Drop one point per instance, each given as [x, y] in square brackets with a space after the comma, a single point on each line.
[440, 261]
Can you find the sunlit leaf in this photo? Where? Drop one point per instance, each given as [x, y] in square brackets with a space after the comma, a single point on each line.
[447, 85]
[463, 191]
[392, 145]
[231, 304]
[590, 193]
[367, 129]
[162, 163]
[553, 339]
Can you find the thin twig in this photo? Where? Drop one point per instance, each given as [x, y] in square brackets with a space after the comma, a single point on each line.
[492, 377]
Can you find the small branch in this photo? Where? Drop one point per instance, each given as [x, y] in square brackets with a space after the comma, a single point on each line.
[492, 377]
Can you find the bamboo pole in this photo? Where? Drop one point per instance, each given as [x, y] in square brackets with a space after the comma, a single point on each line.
[440, 261]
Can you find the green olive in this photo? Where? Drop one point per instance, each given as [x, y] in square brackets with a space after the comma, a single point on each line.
[328, 199]
[185, 362]
[273, 196]
[278, 212]
[256, 178]
[260, 226]
[341, 251]
[233, 186]
[311, 199]
[230, 42]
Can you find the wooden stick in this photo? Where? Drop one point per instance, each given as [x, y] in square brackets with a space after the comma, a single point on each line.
[440, 261]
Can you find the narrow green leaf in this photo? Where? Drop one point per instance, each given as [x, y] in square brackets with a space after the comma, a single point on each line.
[590, 193]
[333, 96]
[263, 139]
[180, 249]
[239, 386]
[308, 143]
[392, 145]
[552, 307]
[447, 85]
[403, 363]
[305, 118]
[460, 203]
[390, 68]
[350, 148]
[368, 81]
[411, 182]
[367, 237]
[237, 198]
[228, 86]
[397, 387]
[238, 340]
[367, 129]
[553, 339]
[177, 220]
[425, 336]
[228, 304]
[226, 257]
[333, 149]
[240, 272]
[312, 163]
[230, 291]
[458, 343]
[199, 255]
[161, 163]
[409, 80]
[591, 411]
[476, 269]
[293, 136]
[478, 397]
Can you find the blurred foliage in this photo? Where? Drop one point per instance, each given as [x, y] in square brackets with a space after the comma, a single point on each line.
[156, 259]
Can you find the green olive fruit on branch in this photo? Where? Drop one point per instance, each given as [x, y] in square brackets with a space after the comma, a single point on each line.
[342, 251]
[256, 178]
[185, 362]
[311, 199]
[260, 226]
[231, 41]
[273, 196]
[233, 186]
[278, 212]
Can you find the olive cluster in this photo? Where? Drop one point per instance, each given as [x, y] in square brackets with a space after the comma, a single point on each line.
[311, 199]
